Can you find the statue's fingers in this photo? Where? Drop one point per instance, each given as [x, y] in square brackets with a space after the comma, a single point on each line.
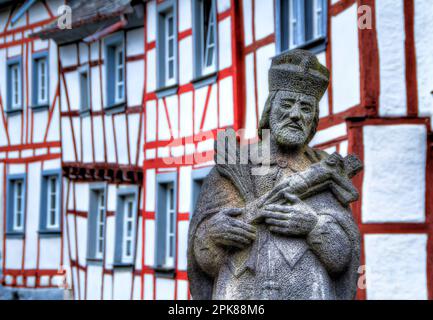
[243, 225]
[278, 208]
[276, 222]
[231, 243]
[274, 215]
[279, 230]
[236, 238]
[242, 233]
[233, 212]
[293, 199]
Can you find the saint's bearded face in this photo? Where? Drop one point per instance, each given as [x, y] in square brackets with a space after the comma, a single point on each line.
[291, 118]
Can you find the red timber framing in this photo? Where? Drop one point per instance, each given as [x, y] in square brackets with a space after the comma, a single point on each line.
[21, 148]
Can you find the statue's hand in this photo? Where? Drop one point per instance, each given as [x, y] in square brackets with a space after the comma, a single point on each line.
[294, 219]
[227, 231]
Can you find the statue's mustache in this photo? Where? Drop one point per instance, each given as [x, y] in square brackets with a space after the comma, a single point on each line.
[294, 124]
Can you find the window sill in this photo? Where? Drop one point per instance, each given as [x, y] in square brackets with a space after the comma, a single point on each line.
[165, 272]
[45, 233]
[84, 113]
[315, 46]
[15, 235]
[123, 265]
[205, 80]
[166, 91]
[94, 261]
[13, 112]
[115, 108]
[40, 107]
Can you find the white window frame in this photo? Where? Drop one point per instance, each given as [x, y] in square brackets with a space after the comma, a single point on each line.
[318, 12]
[207, 46]
[128, 258]
[119, 69]
[42, 87]
[15, 91]
[18, 215]
[52, 212]
[170, 232]
[167, 39]
[100, 225]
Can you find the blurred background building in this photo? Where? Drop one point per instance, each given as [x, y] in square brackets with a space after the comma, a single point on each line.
[109, 111]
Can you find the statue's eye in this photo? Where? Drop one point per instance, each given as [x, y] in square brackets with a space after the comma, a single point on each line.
[288, 103]
[306, 108]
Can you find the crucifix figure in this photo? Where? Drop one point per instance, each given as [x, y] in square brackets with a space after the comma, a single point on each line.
[287, 233]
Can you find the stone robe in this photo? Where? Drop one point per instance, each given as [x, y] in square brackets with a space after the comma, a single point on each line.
[322, 265]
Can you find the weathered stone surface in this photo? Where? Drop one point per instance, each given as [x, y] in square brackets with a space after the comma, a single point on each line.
[279, 225]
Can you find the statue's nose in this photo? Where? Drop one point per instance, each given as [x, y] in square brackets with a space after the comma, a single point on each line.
[294, 112]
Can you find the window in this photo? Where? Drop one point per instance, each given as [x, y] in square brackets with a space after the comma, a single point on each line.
[205, 37]
[97, 219]
[126, 225]
[84, 90]
[128, 229]
[198, 177]
[115, 68]
[14, 85]
[166, 221]
[119, 80]
[16, 204]
[301, 23]
[49, 221]
[100, 225]
[40, 80]
[167, 45]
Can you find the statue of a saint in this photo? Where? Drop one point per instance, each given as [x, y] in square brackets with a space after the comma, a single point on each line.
[289, 233]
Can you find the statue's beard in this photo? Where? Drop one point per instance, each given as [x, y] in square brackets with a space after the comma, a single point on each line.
[289, 134]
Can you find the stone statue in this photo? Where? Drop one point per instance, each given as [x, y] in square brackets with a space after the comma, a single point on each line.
[289, 233]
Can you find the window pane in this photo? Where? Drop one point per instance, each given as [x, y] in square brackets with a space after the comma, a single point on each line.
[170, 48]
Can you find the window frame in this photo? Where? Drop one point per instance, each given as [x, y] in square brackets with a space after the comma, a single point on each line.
[315, 45]
[197, 175]
[112, 44]
[119, 256]
[10, 107]
[202, 73]
[11, 230]
[164, 262]
[166, 86]
[84, 110]
[95, 191]
[36, 102]
[44, 229]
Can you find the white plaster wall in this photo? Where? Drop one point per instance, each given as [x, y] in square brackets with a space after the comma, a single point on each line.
[148, 287]
[14, 252]
[251, 114]
[182, 244]
[345, 60]
[248, 21]
[324, 103]
[396, 266]
[186, 128]
[328, 134]
[94, 282]
[50, 251]
[226, 102]
[135, 82]
[182, 290]
[424, 48]
[224, 44]
[263, 18]
[135, 42]
[122, 284]
[185, 59]
[391, 41]
[185, 18]
[164, 289]
[264, 57]
[394, 173]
